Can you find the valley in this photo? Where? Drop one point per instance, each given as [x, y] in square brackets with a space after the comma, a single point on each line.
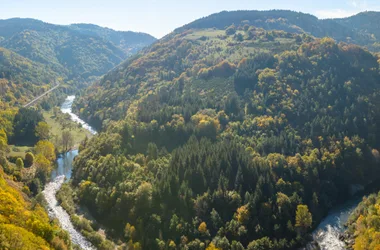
[59, 175]
[240, 130]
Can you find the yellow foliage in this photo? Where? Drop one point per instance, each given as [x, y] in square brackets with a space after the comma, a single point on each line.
[212, 247]
[222, 69]
[20, 226]
[43, 164]
[202, 228]
[14, 237]
[3, 135]
[243, 214]
[46, 149]
[367, 226]
[303, 217]
[172, 245]
[130, 231]
[206, 124]
[43, 130]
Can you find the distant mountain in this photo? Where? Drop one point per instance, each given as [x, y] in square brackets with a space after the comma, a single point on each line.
[129, 41]
[362, 29]
[244, 125]
[77, 51]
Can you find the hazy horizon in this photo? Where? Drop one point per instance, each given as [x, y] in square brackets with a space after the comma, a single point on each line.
[176, 27]
[159, 18]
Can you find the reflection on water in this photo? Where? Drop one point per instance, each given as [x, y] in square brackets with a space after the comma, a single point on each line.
[64, 165]
[58, 176]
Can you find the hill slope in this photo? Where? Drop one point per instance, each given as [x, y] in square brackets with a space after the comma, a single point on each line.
[229, 138]
[21, 79]
[129, 41]
[362, 224]
[76, 51]
[360, 29]
[26, 226]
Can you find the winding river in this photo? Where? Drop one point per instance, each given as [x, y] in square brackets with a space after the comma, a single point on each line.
[326, 234]
[61, 174]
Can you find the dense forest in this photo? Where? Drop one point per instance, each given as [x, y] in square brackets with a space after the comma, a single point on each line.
[233, 138]
[76, 51]
[21, 79]
[129, 41]
[240, 130]
[34, 57]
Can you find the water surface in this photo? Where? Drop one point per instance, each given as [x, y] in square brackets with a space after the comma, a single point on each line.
[61, 174]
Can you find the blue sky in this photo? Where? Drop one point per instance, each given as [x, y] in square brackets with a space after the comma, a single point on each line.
[159, 17]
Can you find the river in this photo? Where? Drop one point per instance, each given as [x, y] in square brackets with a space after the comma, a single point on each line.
[326, 234]
[67, 109]
[328, 231]
[61, 174]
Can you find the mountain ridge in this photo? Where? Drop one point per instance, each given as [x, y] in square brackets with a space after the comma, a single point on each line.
[337, 28]
[247, 136]
[77, 52]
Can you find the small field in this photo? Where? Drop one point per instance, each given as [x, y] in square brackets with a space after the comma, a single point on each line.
[56, 126]
[209, 33]
[18, 151]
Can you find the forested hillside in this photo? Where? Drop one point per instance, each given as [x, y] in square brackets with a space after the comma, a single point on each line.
[364, 223]
[21, 79]
[360, 29]
[24, 225]
[74, 51]
[129, 41]
[229, 138]
[208, 54]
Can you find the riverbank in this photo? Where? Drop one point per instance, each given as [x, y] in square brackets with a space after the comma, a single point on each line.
[332, 233]
[81, 219]
[56, 211]
[58, 121]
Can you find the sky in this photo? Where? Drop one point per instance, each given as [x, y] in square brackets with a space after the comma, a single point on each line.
[160, 17]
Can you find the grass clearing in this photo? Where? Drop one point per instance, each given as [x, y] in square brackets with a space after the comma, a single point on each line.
[209, 33]
[18, 151]
[56, 127]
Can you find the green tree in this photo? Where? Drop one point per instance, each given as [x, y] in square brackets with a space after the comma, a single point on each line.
[24, 126]
[47, 149]
[260, 244]
[67, 140]
[3, 140]
[19, 163]
[231, 30]
[303, 218]
[29, 159]
[43, 131]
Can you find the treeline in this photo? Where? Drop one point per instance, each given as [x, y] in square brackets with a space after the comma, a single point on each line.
[357, 29]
